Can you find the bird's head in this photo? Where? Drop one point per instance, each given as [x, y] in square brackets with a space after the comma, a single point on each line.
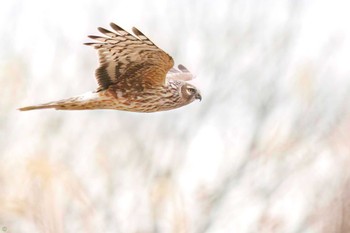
[190, 93]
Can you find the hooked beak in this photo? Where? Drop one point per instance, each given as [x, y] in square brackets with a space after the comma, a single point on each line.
[198, 96]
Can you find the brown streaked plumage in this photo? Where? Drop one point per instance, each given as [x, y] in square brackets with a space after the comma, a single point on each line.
[134, 75]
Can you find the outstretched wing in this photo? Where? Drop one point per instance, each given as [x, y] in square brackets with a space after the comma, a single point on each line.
[125, 56]
[182, 73]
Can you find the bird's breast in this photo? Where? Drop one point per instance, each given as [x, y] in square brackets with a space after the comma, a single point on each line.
[148, 100]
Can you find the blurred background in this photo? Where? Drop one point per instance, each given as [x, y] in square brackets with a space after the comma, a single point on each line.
[267, 150]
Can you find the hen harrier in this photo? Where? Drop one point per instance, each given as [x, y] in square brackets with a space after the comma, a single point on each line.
[134, 75]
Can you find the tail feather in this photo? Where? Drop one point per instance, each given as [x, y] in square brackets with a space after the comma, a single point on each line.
[40, 106]
[86, 101]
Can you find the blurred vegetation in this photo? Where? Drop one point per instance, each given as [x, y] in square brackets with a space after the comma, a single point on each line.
[267, 150]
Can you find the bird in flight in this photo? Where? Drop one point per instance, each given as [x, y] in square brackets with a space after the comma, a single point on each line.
[133, 75]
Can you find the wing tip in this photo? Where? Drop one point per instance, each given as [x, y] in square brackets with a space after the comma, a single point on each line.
[89, 43]
[116, 27]
[93, 36]
[136, 31]
[183, 68]
[103, 30]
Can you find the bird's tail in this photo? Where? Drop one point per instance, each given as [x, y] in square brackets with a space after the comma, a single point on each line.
[86, 101]
[39, 106]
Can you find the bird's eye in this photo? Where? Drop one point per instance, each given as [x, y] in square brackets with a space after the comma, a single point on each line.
[191, 90]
